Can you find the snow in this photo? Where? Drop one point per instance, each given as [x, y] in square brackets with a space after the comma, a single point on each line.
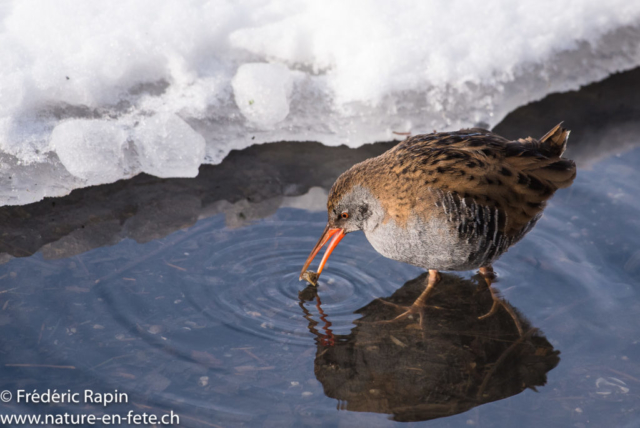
[91, 94]
[90, 149]
[168, 147]
[262, 92]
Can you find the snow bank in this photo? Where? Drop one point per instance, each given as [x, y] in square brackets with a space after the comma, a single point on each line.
[91, 92]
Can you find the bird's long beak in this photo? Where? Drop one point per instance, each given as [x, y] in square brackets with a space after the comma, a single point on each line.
[335, 234]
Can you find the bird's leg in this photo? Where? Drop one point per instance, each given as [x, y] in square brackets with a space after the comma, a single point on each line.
[419, 304]
[489, 275]
[434, 278]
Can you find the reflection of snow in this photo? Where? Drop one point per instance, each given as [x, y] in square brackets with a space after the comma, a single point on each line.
[92, 94]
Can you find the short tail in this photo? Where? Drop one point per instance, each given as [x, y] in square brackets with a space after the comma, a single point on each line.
[554, 142]
[551, 168]
[558, 171]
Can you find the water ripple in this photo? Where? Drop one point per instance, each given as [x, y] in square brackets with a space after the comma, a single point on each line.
[247, 279]
[260, 292]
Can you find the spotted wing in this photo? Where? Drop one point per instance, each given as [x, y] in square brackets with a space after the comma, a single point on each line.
[479, 167]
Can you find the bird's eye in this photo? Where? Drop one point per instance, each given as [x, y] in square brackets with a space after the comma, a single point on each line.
[344, 215]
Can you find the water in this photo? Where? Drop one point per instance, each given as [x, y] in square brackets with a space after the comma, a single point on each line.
[184, 294]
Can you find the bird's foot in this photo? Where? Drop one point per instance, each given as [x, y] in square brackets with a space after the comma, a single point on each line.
[497, 302]
[490, 277]
[492, 311]
[406, 308]
[416, 308]
[419, 306]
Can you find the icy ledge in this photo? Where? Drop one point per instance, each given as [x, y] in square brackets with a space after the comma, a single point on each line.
[90, 95]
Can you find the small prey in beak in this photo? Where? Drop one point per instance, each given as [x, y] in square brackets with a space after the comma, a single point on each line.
[335, 235]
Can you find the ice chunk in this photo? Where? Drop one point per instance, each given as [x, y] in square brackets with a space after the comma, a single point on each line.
[262, 92]
[90, 149]
[168, 147]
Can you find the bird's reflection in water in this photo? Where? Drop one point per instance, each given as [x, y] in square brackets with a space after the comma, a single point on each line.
[451, 364]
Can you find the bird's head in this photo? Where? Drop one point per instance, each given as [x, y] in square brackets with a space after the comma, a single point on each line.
[348, 209]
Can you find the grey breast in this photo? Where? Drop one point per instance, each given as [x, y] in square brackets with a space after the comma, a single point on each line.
[461, 235]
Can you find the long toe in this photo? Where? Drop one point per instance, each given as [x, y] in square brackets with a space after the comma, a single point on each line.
[393, 305]
[408, 311]
[492, 311]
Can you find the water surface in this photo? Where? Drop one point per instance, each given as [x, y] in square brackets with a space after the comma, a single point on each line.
[185, 295]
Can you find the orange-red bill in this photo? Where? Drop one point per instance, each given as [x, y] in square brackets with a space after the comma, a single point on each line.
[335, 234]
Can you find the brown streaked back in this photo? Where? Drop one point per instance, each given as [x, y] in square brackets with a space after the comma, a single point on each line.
[516, 177]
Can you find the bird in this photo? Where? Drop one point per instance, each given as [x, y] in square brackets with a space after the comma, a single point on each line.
[447, 201]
